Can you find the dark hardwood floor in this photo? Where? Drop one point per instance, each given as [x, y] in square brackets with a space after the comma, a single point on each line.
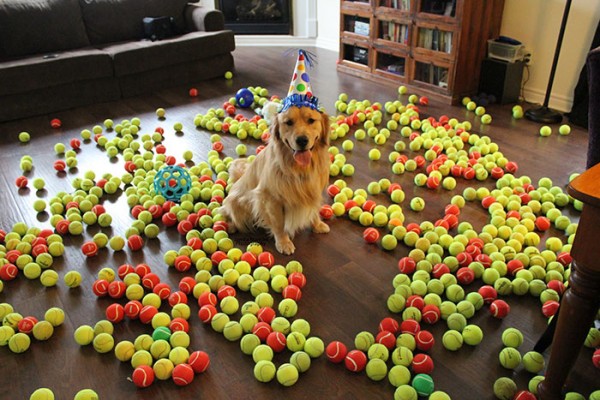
[348, 280]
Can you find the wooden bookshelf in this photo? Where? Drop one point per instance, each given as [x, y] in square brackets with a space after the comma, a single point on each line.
[434, 47]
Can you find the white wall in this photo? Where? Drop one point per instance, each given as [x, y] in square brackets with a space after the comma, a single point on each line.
[328, 24]
[536, 24]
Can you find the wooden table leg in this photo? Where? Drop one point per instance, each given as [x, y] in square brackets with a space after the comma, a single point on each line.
[577, 312]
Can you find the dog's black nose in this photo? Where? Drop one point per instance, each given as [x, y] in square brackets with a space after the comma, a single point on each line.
[302, 141]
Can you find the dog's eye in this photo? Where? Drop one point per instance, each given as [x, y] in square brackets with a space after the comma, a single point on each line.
[289, 122]
[311, 120]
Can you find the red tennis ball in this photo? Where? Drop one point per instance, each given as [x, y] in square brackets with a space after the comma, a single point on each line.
[124, 269]
[511, 167]
[89, 249]
[422, 364]
[226, 291]
[182, 263]
[297, 279]
[499, 308]
[326, 212]
[424, 340]
[150, 280]
[416, 301]
[386, 338]
[75, 143]
[407, 265]
[193, 92]
[355, 361]
[199, 361]
[423, 100]
[277, 341]
[206, 313]
[292, 292]
[465, 275]
[488, 293]
[389, 324]
[195, 243]
[440, 269]
[163, 290]
[371, 235]
[179, 324]
[218, 147]
[55, 123]
[177, 298]
[115, 313]
[184, 227]
[62, 226]
[369, 205]
[250, 258]
[336, 351]
[8, 272]
[550, 307]
[557, 286]
[266, 259]
[142, 269]
[100, 287]
[135, 242]
[596, 358]
[265, 314]
[132, 309]
[410, 326]
[564, 258]
[183, 374]
[60, 165]
[524, 395]
[186, 284]
[542, 223]
[143, 376]
[21, 181]
[514, 266]
[262, 330]
[431, 314]
[333, 190]
[169, 219]
[25, 325]
[116, 289]
[497, 172]
[207, 298]
[147, 313]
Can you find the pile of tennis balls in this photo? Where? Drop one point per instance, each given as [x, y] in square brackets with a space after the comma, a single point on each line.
[504, 255]
[16, 330]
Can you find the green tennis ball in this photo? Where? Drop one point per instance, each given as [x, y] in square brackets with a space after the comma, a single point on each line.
[512, 337]
[55, 315]
[287, 374]
[472, 335]
[72, 279]
[533, 361]
[423, 384]
[43, 330]
[19, 342]
[510, 358]
[84, 335]
[264, 371]
[505, 388]
[300, 360]
[42, 394]
[405, 392]
[49, 278]
[452, 340]
[399, 375]
[86, 394]
[314, 347]
[103, 343]
[376, 369]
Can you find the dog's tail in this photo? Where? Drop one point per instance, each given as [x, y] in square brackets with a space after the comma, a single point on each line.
[237, 169]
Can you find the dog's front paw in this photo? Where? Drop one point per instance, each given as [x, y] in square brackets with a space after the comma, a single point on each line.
[321, 227]
[285, 246]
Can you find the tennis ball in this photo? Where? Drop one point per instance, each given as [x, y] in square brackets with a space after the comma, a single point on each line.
[300, 360]
[84, 335]
[505, 388]
[72, 279]
[55, 315]
[43, 330]
[24, 137]
[228, 75]
[545, 131]
[533, 361]
[439, 395]
[262, 352]
[49, 278]
[86, 394]
[512, 337]
[423, 384]
[103, 342]
[417, 204]
[124, 350]
[510, 358]
[376, 369]
[233, 331]
[452, 340]
[405, 392]
[19, 342]
[264, 371]
[399, 375]
[314, 347]
[287, 374]
[116, 243]
[472, 335]
[564, 130]
[534, 382]
[163, 369]
[248, 343]
[42, 394]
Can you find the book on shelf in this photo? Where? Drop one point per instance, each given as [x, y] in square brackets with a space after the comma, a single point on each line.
[402, 5]
[434, 39]
[394, 32]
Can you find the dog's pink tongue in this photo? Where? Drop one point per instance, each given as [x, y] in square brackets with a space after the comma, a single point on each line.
[302, 157]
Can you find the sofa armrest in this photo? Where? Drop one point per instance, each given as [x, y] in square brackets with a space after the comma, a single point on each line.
[593, 70]
[198, 18]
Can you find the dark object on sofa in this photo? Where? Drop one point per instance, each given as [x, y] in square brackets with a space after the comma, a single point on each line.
[59, 54]
[158, 28]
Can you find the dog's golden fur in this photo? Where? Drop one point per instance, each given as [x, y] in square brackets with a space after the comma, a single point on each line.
[275, 191]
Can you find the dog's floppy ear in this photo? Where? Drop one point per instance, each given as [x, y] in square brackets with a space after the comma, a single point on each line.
[275, 127]
[325, 129]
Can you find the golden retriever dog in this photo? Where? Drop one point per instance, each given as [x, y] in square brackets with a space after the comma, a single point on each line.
[281, 190]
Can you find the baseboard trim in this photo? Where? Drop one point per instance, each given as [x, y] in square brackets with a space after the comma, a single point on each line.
[557, 102]
[274, 40]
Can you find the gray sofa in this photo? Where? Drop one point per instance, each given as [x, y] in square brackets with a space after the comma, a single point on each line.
[59, 54]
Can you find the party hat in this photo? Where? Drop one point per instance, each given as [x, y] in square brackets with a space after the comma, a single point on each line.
[300, 92]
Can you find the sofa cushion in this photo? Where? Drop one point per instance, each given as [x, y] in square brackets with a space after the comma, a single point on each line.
[40, 26]
[36, 72]
[109, 21]
[134, 57]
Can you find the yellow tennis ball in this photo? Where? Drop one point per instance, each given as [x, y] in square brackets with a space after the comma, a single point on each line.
[505, 388]
[42, 394]
[55, 315]
[510, 358]
[179, 355]
[512, 337]
[141, 357]
[43, 330]
[12, 319]
[124, 350]
[288, 308]
[287, 374]
[233, 331]
[19, 342]
[163, 369]
[248, 343]
[103, 342]
[399, 375]
[264, 371]
[161, 319]
[180, 339]
[49, 277]
[86, 394]
[376, 369]
[533, 361]
[143, 342]
[160, 349]
[103, 326]
[452, 340]
[72, 279]
[84, 335]
[472, 335]
[6, 332]
[314, 347]
[230, 305]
